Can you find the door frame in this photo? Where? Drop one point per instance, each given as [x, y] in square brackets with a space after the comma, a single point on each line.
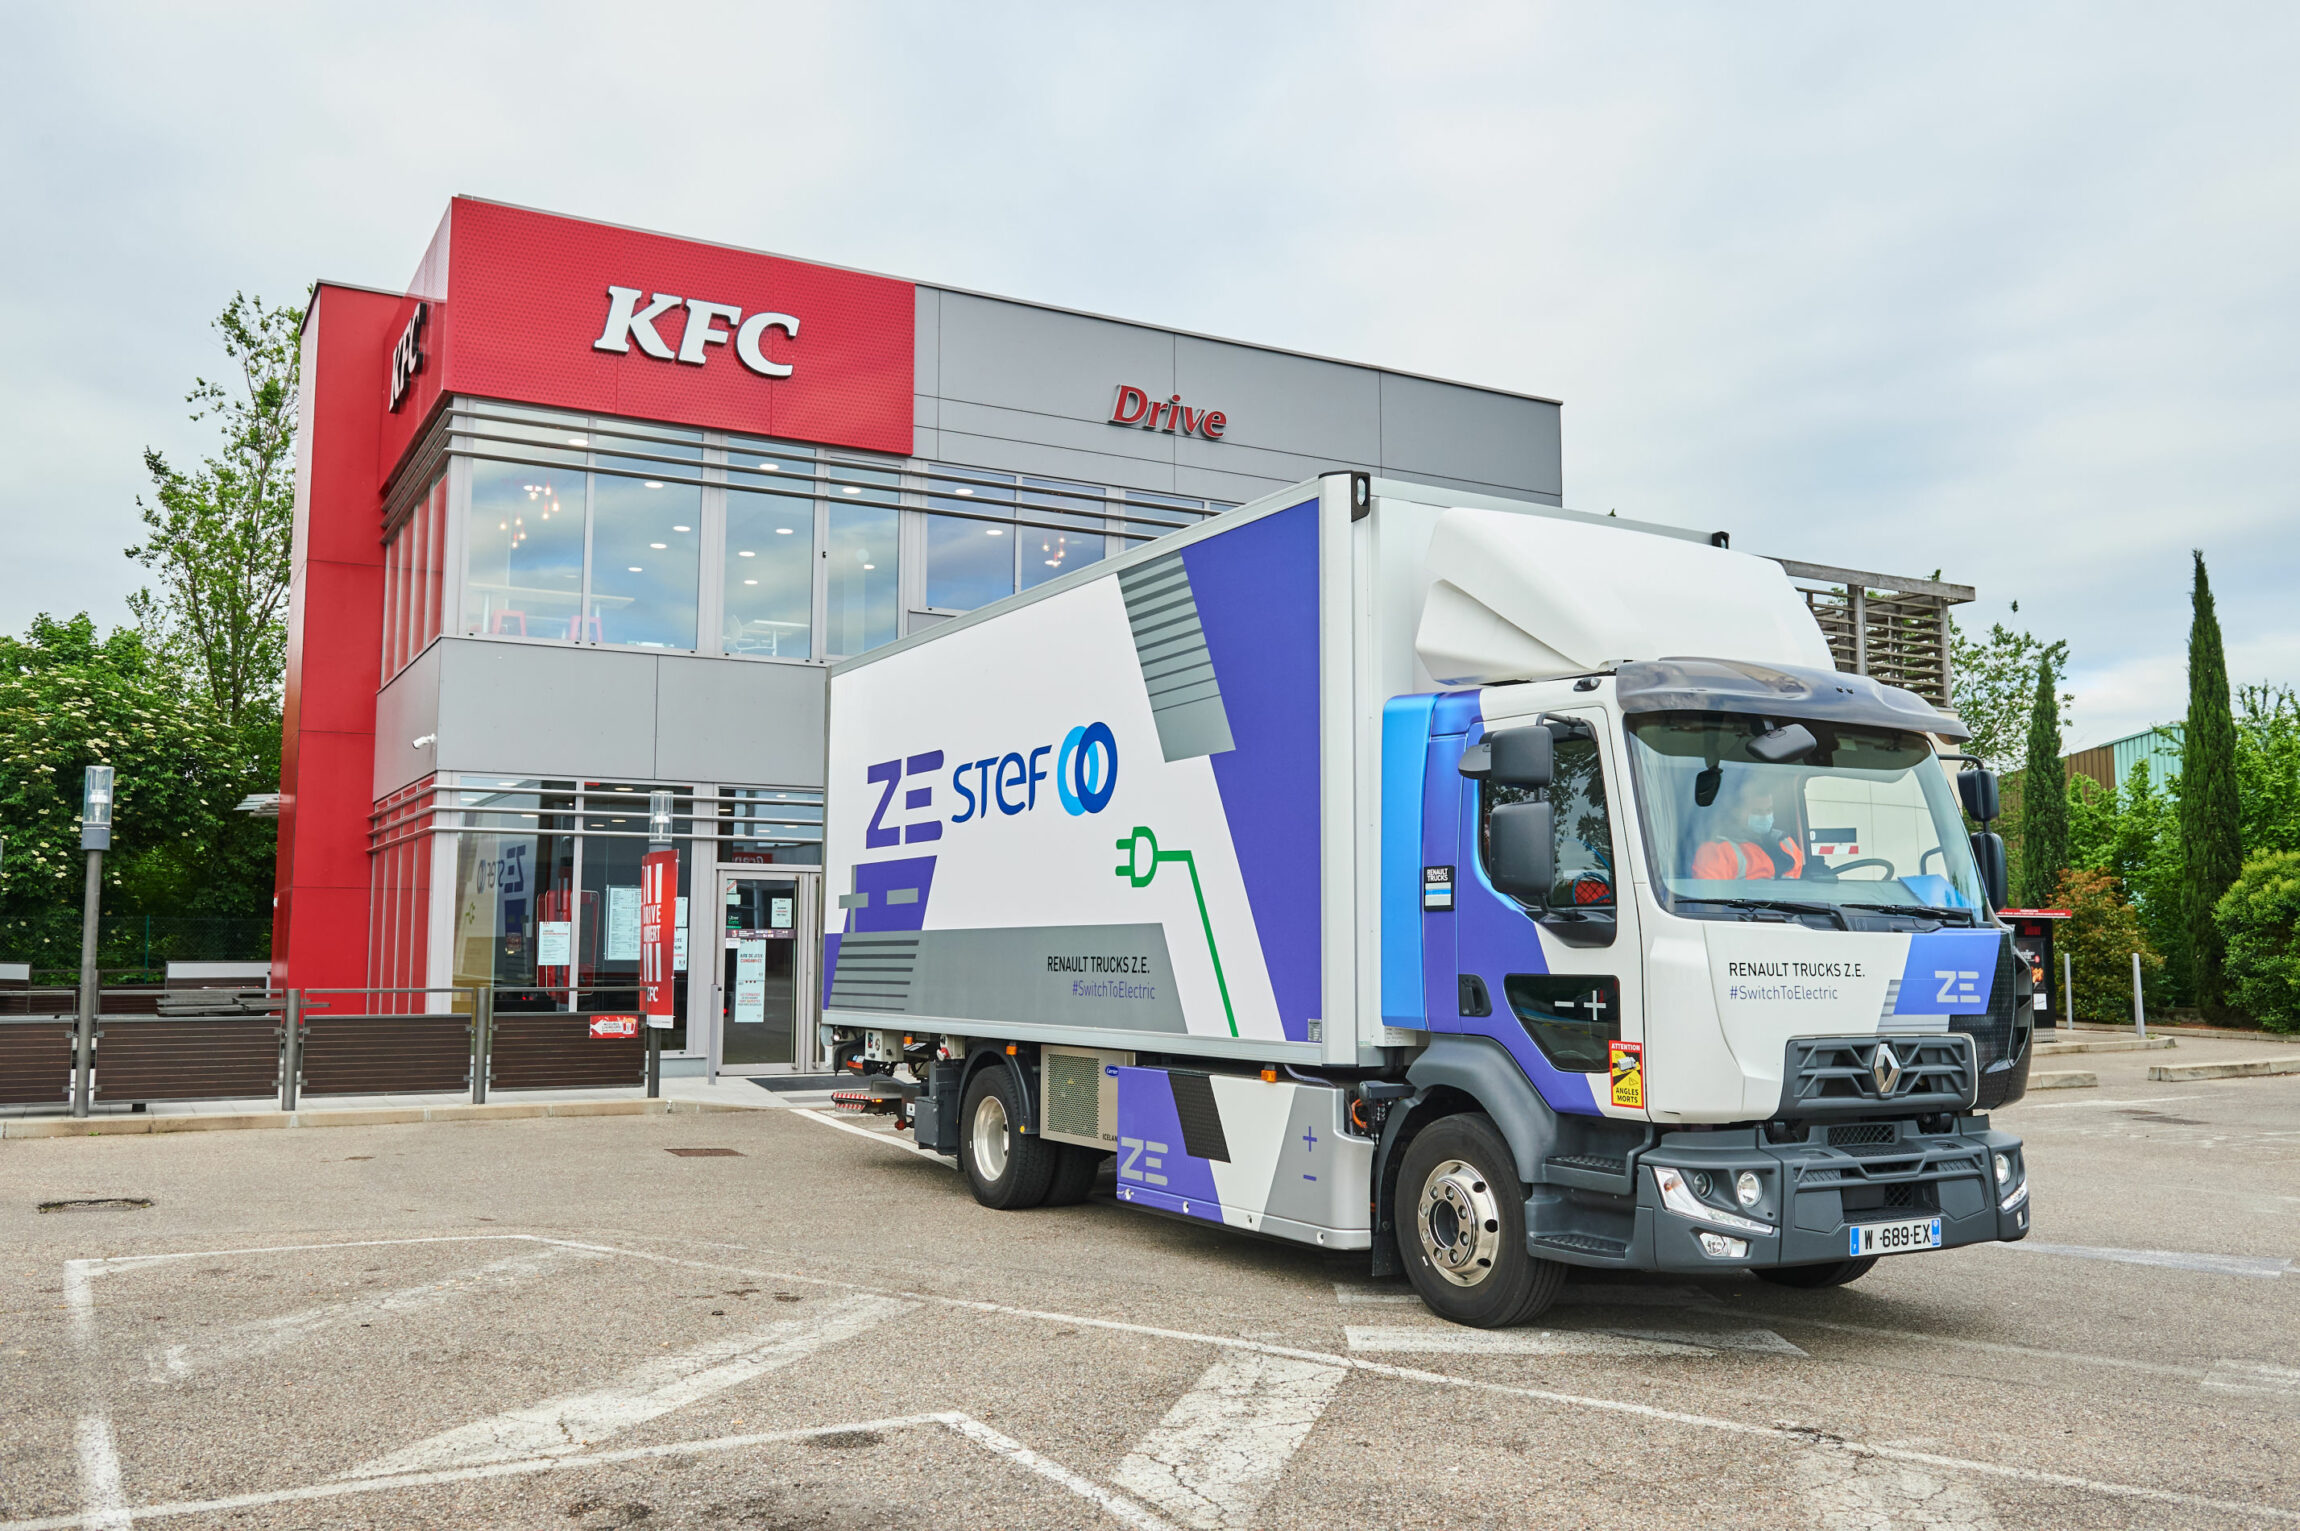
[806, 985]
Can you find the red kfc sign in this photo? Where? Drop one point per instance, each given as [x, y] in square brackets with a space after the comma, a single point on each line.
[538, 309]
[658, 908]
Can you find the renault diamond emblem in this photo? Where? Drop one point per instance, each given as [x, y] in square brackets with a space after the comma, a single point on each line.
[1885, 1068]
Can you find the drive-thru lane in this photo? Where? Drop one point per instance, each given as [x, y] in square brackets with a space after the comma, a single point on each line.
[559, 1322]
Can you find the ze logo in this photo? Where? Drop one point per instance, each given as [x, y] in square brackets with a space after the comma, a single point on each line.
[1150, 1158]
[628, 322]
[1958, 988]
[407, 356]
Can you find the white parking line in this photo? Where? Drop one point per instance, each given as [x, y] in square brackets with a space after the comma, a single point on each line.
[103, 1498]
[1452, 1340]
[2255, 1377]
[1223, 1446]
[888, 1138]
[564, 1426]
[263, 1336]
[2263, 1267]
[958, 1424]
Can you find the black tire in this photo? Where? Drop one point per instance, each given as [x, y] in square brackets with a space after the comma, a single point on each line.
[1005, 1169]
[1810, 1278]
[1074, 1173]
[1461, 1227]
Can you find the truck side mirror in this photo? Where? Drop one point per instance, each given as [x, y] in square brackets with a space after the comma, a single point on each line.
[1988, 856]
[1978, 790]
[1521, 851]
[1522, 757]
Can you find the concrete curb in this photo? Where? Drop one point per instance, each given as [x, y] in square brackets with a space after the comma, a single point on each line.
[2072, 1079]
[2113, 1045]
[2249, 1069]
[362, 1116]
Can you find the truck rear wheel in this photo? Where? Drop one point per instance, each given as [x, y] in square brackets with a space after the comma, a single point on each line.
[1074, 1174]
[1813, 1277]
[1462, 1233]
[1005, 1168]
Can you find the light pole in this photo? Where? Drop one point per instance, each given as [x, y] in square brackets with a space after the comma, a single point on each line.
[95, 839]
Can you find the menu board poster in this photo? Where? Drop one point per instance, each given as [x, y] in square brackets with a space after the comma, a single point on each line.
[750, 1008]
[554, 943]
[623, 924]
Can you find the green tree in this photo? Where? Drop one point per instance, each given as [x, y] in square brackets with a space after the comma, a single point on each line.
[2210, 819]
[217, 537]
[2259, 919]
[2268, 768]
[1994, 689]
[2044, 810]
[70, 699]
[2102, 933]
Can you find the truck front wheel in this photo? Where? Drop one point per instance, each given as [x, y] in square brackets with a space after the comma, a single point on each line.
[1462, 1236]
[1005, 1168]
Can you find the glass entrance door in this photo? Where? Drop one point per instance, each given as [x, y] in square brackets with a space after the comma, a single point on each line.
[766, 960]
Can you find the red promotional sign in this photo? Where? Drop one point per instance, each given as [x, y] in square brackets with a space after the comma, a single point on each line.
[658, 908]
[539, 309]
[614, 1025]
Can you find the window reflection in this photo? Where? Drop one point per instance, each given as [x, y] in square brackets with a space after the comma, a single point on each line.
[969, 560]
[646, 562]
[525, 566]
[770, 575]
[861, 600]
[1064, 530]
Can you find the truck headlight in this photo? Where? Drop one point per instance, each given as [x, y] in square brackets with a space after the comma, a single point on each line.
[1678, 1197]
[2004, 1171]
[1746, 1190]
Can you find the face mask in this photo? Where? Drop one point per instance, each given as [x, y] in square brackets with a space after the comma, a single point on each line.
[1760, 823]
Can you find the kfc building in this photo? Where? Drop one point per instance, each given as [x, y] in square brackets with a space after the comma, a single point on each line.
[584, 513]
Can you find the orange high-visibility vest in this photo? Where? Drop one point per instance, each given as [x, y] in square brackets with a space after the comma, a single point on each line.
[1727, 859]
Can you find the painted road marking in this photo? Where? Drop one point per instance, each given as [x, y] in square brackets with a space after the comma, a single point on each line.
[962, 1425]
[564, 1426]
[1356, 1294]
[1223, 1446]
[1453, 1340]
[888, 1138]
[75, 1282]
[2255, 1377]
[1996, 1347]
[261, 1337]
[2265, 1267]
[2142, 1100]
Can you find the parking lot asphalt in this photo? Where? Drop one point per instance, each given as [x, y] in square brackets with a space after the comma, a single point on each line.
[583, 1323]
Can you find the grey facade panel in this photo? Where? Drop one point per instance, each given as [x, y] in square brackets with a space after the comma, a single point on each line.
[1097, 436]
[1275, 467]
[407, 710]
[926, 343]
[739, 720]
[531, 709]
[1055, 462]
[1237, 488]
[1466, 433]
[1281, 403]
[1067, 365]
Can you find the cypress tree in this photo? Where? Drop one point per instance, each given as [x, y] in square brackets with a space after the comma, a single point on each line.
[2044, 794]
[2209, 815]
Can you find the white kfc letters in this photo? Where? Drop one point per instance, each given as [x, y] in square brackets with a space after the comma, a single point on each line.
[628, 322]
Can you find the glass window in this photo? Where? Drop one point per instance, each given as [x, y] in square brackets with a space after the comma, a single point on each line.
[523, 573]
[969, 559]
[646, 562]
[770, 575]
[1581, 843]
[761, 826]
[1570, 1016]
[1149, 514]
[1063, 529]
[514, 904]
[863, 595]
[1863, 820]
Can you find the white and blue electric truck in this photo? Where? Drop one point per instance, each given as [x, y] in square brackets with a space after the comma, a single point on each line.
[1491, 887]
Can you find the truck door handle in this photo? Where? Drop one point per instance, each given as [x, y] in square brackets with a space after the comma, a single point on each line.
[1474, 999]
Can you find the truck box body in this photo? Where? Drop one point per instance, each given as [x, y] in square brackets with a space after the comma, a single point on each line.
[1192, 839]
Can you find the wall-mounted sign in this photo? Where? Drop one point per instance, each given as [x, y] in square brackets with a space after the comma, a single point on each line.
[614, 1026]
[1136, 408]
[627, 322]
[658, 894]
[407, 356]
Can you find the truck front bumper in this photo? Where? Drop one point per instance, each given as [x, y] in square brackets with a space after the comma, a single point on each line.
[1813, 1194]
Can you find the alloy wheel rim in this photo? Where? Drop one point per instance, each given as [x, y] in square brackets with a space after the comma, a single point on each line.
[990, 1138]
[1459, 1220]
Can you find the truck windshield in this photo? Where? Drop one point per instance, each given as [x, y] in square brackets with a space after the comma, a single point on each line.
[1865, 821]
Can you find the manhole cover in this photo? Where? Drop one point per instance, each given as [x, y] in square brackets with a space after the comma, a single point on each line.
[705, 1153]
[97, 1204]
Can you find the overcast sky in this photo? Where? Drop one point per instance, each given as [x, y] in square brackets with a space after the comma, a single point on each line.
[2005, 291]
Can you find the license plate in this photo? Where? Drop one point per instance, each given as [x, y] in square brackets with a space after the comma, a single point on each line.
[1895, 1238]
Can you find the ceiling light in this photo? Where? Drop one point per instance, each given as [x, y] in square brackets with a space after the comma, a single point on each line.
[658, 546]
[770, 467]
[994, 531]
[682, 528]
[577, 441]
[850, 489]
[780, 531]
[635, 569]
[964, 490]
[746, 553]
[1054, 563]
[654, 483]
[870, 566]
[750, 582]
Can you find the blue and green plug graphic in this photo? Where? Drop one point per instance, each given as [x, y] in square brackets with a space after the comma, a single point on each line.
[1141, 864]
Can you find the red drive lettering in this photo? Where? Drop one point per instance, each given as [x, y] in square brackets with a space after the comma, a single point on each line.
[1134, 407]
[658, 910]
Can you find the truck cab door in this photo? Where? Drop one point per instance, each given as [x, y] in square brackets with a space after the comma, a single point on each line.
[1561, 982]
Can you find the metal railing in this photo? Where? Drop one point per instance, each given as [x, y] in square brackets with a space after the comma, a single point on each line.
[224, 1044]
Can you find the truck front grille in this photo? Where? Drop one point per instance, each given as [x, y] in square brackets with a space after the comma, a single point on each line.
[1848, 1076]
